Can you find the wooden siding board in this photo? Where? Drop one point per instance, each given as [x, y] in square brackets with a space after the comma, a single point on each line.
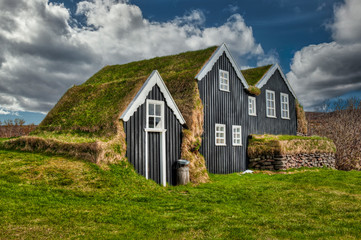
[135, 137]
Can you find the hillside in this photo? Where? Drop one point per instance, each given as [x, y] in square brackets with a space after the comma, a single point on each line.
[52, 197]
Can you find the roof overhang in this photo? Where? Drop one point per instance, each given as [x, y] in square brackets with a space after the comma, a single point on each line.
[139, 99]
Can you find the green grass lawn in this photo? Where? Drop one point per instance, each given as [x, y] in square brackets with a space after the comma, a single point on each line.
[53, 197]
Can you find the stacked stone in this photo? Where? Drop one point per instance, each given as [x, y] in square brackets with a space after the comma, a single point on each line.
[283, 162]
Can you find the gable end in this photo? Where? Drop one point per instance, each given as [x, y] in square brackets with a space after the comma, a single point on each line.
[139, 99]
[208, 66]
[269, 74]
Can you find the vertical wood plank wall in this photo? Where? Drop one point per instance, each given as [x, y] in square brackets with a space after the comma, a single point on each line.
[276, 125]
[135, 137]
[231, 108]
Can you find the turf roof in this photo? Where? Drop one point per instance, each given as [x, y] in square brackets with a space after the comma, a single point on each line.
[95, 106]
[253, 75]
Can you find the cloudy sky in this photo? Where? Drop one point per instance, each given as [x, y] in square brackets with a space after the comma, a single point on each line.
[46, 46]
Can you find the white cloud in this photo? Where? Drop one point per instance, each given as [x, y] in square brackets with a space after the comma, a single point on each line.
[347, 25]
[42, 54]
[327, 70]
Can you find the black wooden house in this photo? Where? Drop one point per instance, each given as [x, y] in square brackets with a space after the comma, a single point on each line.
[231, 114]
[196, 105]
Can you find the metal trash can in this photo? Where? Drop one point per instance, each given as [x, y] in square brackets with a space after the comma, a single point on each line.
[182, 172]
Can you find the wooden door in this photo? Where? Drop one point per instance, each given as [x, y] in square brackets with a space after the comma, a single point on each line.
[154, 156]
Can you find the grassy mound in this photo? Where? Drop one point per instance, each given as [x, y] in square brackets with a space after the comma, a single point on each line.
[260, 145]
[253, 75]
[301, 119]
[96, 105]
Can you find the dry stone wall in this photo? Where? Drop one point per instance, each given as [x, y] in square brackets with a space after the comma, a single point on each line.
[284, 162]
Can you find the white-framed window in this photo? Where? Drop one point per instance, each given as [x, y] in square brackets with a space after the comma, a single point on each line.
[252, 106]
[220, 133]
[270, 104]
[155, 114]
[285, 111]
[237, 135]
[223, 80]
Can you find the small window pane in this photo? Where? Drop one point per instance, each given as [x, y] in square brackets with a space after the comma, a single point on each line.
[151, 122]
[157, 110]
[151, 109]
[157, 122]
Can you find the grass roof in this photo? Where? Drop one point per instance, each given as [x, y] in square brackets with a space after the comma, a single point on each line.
[253, 75]
[95, 106]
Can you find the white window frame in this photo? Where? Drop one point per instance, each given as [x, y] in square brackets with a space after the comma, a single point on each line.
[155, 102]
[217, 131]
[252, 106]
[236, 138]
[285, 106]
[223, 81]
[270, 102]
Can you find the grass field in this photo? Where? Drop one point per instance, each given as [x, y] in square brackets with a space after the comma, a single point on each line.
[52, 197]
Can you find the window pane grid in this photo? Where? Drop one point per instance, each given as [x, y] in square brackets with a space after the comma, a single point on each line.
[223, 80]
[270, 104]
[284, 106]
[252, 106]
[237, 135]
[155, 115]
[220, 134]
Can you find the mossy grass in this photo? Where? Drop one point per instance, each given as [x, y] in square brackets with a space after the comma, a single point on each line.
[253, 75]
[53, 197]
[263, 145]
[96, 105]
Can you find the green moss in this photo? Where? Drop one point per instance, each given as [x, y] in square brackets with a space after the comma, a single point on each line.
[254, 90]
[95, 106]
[260, 145]
[253, 75]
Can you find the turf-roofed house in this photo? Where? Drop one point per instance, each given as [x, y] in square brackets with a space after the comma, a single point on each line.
[195, 105]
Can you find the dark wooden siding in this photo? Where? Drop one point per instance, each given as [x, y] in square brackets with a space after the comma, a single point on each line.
[276, 125]
[229, 108]
[135, 137]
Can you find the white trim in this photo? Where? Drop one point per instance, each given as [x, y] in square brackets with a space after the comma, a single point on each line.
[146, 155]
[224, 134]
[209, 65]
[163, 156]
[287, 103]
[254, 105]
[220, 77]
[269, 74]
[163, 160]
[155, 102]
[139, 99]
[274, 104]
[240, 133]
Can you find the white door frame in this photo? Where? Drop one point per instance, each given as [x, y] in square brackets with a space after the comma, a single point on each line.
[162, 131]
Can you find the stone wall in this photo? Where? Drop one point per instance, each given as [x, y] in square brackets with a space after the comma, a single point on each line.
[284, 162]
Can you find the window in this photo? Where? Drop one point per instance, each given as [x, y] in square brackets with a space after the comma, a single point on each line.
[220, 135]
[155, 113]
[252, 106]
[223, 80]
[237, 135]
[270, 104]
[285, 112]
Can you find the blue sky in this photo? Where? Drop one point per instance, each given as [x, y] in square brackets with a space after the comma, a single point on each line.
[47, 46]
